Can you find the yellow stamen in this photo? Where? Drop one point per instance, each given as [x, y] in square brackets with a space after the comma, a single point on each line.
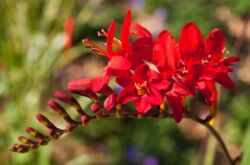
[118, 106]
[140, 86]
[140, 92]
[162, 106]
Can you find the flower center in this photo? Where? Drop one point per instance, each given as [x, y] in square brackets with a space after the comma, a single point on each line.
[141, 87]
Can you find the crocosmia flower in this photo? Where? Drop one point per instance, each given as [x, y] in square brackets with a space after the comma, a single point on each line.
[155, 75]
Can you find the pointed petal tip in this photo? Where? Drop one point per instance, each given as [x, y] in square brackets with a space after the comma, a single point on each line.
[119, 63]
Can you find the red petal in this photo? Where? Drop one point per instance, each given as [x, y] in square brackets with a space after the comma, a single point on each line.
[140, 31]
[166, 53]
[208, 90]
[125, 30]
[141, 74]
[215, 44]
[110, 102]
[224, 80]
[141, 49]
[230, 60]
[81, 87]
[180, 90]
[153, 97]
[216, 74]
[80, 82]
[124, 81]
[161, 85]
[191, 44]
[142, 106]
[176, 106]
[119, 63]
[110, 37]
[98, 83]
[127, 95]
[185, 86]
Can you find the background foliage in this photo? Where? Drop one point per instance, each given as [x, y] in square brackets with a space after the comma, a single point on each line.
[34, 63]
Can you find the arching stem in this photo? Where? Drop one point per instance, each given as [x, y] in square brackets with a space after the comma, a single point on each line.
[217, 137]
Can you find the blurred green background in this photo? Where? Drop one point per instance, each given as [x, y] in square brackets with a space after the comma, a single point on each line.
[34, 63]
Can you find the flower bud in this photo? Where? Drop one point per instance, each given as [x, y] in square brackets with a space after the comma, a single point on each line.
[85, 119]
[78, 88]
[29, 142]
[19, 148]
[95, 107]
[110, 102]
[59, 109]
[33, 133]
[54, 132]
[70, 100]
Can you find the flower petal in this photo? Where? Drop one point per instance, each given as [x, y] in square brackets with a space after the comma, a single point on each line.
[208, 90]
[141, 49]
[153, 96]
[191, 44]
[80, 82]
[161, 85]
[98, 82]
[81, 87]
[230, 61]
[119, 63]
[110, 37]
[166, 53]
[124, 81]
[141, 74]
[224, 80]
[215, 44]
[175, 104]
[125, 30]
[142, 106]
[127, 95]
[217, 74]
[140, 31]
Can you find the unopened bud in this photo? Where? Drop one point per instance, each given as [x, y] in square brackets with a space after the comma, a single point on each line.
[28, 141]
[95, 107]
[70, 100]
[85, 119]
[34, 133]
[59, 109]
[19, 148]
[54, 132]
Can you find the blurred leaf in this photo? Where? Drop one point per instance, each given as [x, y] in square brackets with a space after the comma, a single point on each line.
[246, 148]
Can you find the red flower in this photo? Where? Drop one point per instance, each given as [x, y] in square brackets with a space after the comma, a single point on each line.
[203, 61]
[166, 57]
[142, 89]
[126, 55]
[205, 58]
[90, 86]
[149, 72]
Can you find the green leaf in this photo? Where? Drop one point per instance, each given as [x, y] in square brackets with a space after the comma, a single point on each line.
[246, 148]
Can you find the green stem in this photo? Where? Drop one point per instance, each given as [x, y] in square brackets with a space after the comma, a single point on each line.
[217, 137]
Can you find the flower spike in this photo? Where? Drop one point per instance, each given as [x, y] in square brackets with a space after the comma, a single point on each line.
[152, 74]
